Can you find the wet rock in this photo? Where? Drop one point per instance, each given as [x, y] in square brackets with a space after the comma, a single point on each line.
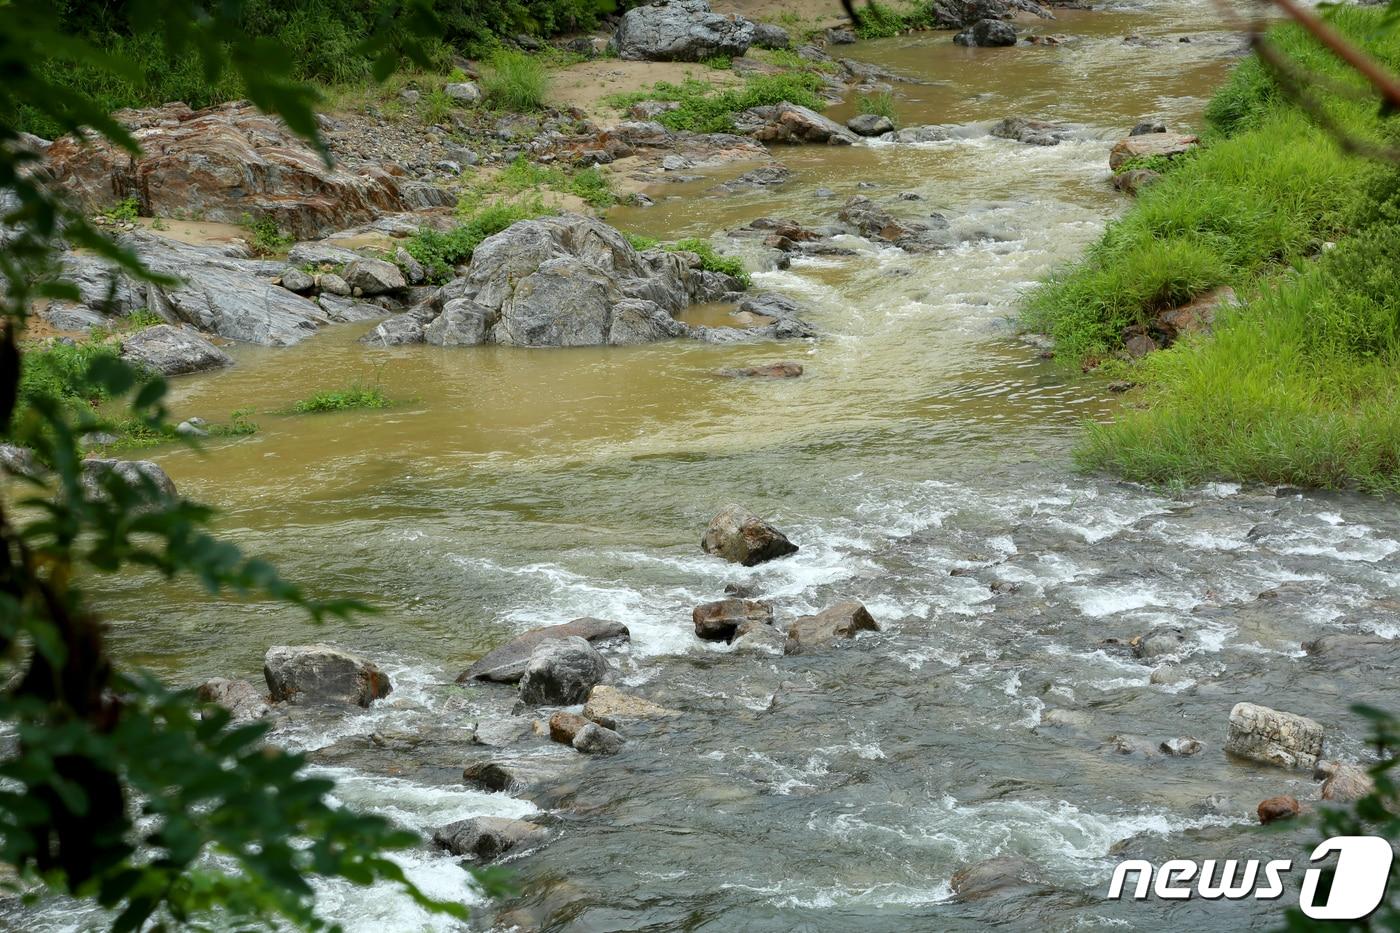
[782, 370]
[870, 124]
[333, 284]
[344, 311]
[297, 280]
[1078, 720]
[462, 323]
[988, 33]
[839, 622]
[322, 674]
[740, 536]
[1182, 747]
[770, 36]
[243, 701]
[1344, 782]
[1133, 745]
[876, 223]
[1031, 132]
[1271, 737]
[680, 31]
[768, 176]
[144, 476]
[759, 638]
[718, 621]
[563, 726]
[1150, 126]
[463, 92]
[228, 162]
[545, 781]
[1134, 180]
[172, 351]
[507, 663]
[840, 35]
[637, 321]
[786, 122]
[503, 732]
[1167, 145]
[930, 133]
[594, 739]
[487, 838]
[1282, 807]
[1158, 642]
[609, 704]
[561, 672]
[374, 277]
[1169, 675]
[1350, 646]
[994, 876]
[400, 330]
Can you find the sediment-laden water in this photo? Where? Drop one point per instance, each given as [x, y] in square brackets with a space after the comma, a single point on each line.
[923, 465]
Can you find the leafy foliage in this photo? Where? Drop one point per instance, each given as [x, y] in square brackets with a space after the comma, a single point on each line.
[266, 238]
[705, 108]
[710, 260]
[117, 788]
[439, 252]
[356, 396]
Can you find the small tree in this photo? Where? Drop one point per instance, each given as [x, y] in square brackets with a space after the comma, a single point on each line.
[117, 788]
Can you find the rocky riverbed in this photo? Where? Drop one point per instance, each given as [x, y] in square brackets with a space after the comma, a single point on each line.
[923, 677]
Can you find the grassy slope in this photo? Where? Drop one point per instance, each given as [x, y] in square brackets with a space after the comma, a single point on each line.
[1300, 385]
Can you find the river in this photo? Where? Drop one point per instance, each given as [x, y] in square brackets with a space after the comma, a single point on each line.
[923, 463]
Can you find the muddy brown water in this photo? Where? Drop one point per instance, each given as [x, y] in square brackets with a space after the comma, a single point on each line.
[923, 465]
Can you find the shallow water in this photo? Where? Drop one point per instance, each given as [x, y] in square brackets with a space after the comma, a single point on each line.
[922, 463]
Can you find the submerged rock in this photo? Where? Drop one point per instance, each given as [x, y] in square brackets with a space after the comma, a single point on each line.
[1182, 746]
[1031, 132]
[172, 351]
[507, 663]
[243, 701]
[740, 536]
[322, 674]
[990, 33]
[487, 838]
[1274, 738]
[680, 31]
[562, 672]
[594, 739]
[994, 876]
[782, 370]
[718, 621]
[1158, 642]
[609, 704]
[835, 623]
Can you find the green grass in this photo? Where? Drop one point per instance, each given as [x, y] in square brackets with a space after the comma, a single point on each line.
[124, 211]
[265, 237]
[1301, 384]
[711, 260]
[354, 397]
[515, 81]
[440, 251]
[705, 108]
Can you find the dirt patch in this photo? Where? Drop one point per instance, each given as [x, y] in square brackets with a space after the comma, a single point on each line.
[587, 84]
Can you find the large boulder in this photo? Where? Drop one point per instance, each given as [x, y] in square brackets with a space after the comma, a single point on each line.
[507, 663]
[562, 672]
[719, 620]
[988, 33]
[374, 276]
[569, 281]
[322, 674]
[740, 536]
[680, 31]
[1266, 735]
[172, 351]
[144, 476]
[791, 123]
[1165, 145]
[228, 162]
[835, 623]
[243, 701]
[487, 838]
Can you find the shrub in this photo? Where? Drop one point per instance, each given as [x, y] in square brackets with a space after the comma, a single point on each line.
[124, 211]
[264, 236]
[594, 187]
[711, 260]
[439, 252]
[354, 397]
[515, 81]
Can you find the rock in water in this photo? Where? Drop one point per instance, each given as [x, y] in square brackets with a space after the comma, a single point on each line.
[172, 351]
[1273, 737]
[738, 535]
[243, 701]
[142, 475]
[487, 838]
[838, 622]
[870, 124]
[322, 674]
[594, 739]
[718, 621]
[612, 705]
[993, 876]
[1167, 145]
[785, 369]
[374, 276]
[226, 163]
[680, 31]
[1344, 782]
[563, 726]
[759, 638]
[790, 123]
[1282, 807]
[988, 33]
[506, 664]
[562, 672]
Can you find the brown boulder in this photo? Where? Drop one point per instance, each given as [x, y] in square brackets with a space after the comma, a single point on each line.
[738, 535]
[226, 162]
[841, 621]
[781, 370]
[1282, 807]
[719, 620]
[563, 726]
[1344, 783]
[1168, 145]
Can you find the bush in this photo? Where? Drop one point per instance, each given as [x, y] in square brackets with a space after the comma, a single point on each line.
[710, 260]
[515, 81]
[439, 252]
[61, 372]
[264, 236]
[354, 397]
[707, 109]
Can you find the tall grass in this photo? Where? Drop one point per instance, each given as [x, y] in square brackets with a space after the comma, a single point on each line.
[705, 108]
[515, 81]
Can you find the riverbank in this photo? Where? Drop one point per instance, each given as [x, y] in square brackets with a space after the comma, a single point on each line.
[1296, 383]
